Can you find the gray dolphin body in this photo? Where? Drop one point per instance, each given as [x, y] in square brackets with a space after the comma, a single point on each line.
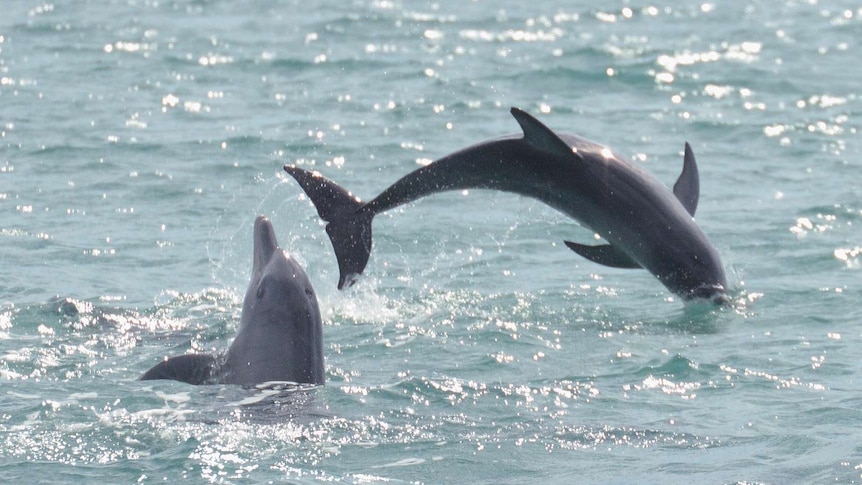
[646, 225]
[280, 336]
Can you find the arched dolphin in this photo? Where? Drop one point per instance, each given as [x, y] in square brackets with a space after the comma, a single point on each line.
[280, 335]
[647, 225]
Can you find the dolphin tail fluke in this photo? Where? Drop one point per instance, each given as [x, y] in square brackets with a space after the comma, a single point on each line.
[351, 239]
[349, 227]
[605, 254]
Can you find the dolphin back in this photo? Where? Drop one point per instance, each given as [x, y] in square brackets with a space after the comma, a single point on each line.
[349, 227]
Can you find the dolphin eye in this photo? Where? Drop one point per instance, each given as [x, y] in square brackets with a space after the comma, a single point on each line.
[309, 293]
[260, 291]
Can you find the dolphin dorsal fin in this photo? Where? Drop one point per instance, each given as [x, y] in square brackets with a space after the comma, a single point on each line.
[687, 187]
[539, 135]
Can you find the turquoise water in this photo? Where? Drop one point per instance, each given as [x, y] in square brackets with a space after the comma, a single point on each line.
[139, 139]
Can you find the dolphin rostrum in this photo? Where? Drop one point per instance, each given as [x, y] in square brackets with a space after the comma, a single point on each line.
[280, 331]
[646, 225]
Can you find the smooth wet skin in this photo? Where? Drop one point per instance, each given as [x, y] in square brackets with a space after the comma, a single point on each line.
[280, 337]
[646, 225]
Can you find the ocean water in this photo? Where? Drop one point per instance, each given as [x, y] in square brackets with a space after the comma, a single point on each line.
[140, 138]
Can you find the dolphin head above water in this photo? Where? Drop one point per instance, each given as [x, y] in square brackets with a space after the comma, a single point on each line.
[280, 332]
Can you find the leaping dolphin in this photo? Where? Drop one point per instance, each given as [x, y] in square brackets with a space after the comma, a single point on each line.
[646, 225]
[280, 335]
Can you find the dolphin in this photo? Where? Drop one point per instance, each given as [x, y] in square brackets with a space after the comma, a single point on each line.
[280, 335]
[645, 224]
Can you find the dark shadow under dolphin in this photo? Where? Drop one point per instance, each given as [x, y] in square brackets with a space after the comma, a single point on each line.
[646, 225]
[280, 337]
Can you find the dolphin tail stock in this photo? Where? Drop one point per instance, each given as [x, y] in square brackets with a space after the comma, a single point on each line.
[349, 227]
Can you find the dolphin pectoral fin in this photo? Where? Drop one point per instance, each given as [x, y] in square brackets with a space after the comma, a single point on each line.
[605, 254]
[540, 136]
[687, 187]
[349, 227]
[189, 368]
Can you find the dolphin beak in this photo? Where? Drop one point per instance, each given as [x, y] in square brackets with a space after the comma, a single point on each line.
[710, 293]
[265, 243]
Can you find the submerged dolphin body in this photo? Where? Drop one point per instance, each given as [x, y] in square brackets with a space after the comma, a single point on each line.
[280, 333]
[646, 225]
